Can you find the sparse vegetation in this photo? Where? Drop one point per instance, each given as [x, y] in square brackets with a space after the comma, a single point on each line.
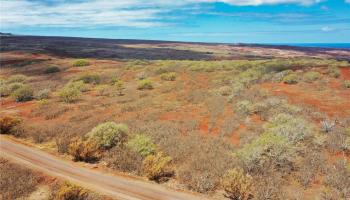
[237, 185]
[291, 79]
[168, 76]
[52, 69]
[81, 63]
[108, 135]
[142, 145]
[311, 76]
[23, 93]
[145, 84]
[158, 167]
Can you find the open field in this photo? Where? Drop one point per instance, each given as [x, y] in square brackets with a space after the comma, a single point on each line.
[226, 121]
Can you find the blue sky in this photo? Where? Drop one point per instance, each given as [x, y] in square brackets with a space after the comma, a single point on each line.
[245, 21]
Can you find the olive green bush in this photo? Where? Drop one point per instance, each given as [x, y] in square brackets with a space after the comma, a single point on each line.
[334, 71]
[52, 69]
[311, 76]
[145, 84]
[43, 94]
[169, 76]
[291, 79]
[142, 144]
[244, 107]
[347, 84]
[19, 78]
[108, 134]
[23, 93]
[81, 63]
[237, 185]
[69, 94]
[294, 128]
[93, 78]
[268, 149]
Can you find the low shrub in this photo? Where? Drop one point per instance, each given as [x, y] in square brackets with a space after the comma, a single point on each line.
[108, 134]
[17, 79]
[142, 144]
[8, 123]
[244, 107]
[338, 178]
[81, 63]
[93, 78]
[311, 76]
[43, 94]
[158, 167]
[69, 191]
[69, 94]
[294, 128]
[81, 150]
[225, 90]
[169, 76]
[124, 159]
[290, 79]
[334, 71]
[266, 150]
[16, 182]
[237, 185]
[24, 93]
[145, 84]
[119, 87]
[7, 89]
[52, 69]
[347, 84]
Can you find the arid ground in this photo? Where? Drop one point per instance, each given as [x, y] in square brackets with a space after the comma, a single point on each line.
[220, 121]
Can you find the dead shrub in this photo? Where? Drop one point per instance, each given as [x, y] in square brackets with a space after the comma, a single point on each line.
[237, 185]
[69, 191]
[338, 178]
[158, 167]
[15, 181]
[8, 124]
[124, 159]
[81, 150]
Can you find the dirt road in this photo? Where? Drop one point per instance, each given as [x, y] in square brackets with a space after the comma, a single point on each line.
[119, 187]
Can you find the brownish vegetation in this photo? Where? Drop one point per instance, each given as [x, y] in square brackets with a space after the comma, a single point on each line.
[253, 128]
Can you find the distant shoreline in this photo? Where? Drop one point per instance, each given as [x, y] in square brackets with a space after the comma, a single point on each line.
[314, 45]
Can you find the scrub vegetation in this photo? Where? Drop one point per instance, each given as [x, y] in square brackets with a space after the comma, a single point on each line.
[228, 127]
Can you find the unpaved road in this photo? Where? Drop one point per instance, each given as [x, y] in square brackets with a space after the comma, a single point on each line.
[110, 185]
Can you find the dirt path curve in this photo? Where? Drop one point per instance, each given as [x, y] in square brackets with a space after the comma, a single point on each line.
[118, 187]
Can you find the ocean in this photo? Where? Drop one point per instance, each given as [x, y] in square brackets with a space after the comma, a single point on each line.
[320, 45]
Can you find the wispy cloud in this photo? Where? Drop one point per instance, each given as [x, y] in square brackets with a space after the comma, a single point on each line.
[90, 13]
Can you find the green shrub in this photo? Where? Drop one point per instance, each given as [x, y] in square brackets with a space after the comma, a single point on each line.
[52, 69]
[237, 185]
[158, 167]
[43, 94]
[17, 79]
[142, 144]
[290, 79]
[81, 63]
[145, 84]
[7, 89]
[119, 87]
[90, 78]
[311, 76]
[79, 85]
[265, 150]
[347, 84]
[69, 94]
[23, 93]
[169, 76]
[225, 90]
[334, 71]
[108, 134]
[294, 128]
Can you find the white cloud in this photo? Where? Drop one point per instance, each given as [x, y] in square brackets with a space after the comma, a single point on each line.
[90, 13]
[327, 29]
